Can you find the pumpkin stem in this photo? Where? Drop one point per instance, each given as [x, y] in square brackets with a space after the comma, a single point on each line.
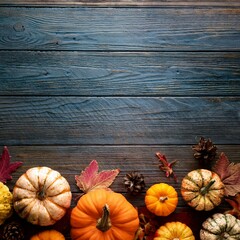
[205, 189]
[41, 194]
[163, 199]
[104, 222]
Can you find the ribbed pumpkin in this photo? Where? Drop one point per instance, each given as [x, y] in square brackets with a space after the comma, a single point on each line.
[48, 235]
[6, 203]
[174, 231]
[202, 189]
[220, 226]
[103, 215]
[41, 196]
[161, 199]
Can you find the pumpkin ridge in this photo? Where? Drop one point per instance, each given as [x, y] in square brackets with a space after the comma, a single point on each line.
[29, 179]
[233, 225]
[50, 200]
[42, 185]
[59, 193]
[227, 225]
[192, 198]
[192, 180]
[51, 182]
[212, 220]
[212, 201]
[22, 209]
[32, 180]
[50, 214]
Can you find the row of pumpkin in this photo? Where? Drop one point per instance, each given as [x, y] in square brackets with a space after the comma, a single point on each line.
[42, 196]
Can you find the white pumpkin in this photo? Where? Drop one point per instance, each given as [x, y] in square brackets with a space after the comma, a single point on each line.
[41, 196]
[220, 227]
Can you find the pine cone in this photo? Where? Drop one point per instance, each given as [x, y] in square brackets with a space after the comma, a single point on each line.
[134, 182]
[205, 151]
[12, 231]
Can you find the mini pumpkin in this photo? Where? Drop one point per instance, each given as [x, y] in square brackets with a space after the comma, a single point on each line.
[161, 199]
[48, 235]
[220, 227]
[102, 214]
[174, 231]
[6, 206]
[41, 196]
[202, 189]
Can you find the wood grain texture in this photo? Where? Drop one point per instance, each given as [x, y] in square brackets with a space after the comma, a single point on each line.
[71, 160]
[119, 73]
[83, 120]
[135, 29]
[117, 81]
[122, 3]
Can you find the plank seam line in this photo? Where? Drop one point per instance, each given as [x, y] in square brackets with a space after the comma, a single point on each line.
[125, 51]
[107, 6]
[118, 145]
[118, 96]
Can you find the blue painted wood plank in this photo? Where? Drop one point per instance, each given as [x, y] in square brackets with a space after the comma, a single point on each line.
[136, 29]
[122, 3]
[83, 120]
[119, 73]
[75, 158]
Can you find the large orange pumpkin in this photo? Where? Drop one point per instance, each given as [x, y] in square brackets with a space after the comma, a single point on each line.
[41, 196]
[48, 235]
[103, 215]
[161, 199]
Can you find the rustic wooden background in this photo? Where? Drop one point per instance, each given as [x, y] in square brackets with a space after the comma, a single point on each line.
[117, 81]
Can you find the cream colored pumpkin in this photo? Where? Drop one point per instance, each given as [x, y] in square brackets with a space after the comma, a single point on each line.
[220, 226]
[41, 196]
[202, 189]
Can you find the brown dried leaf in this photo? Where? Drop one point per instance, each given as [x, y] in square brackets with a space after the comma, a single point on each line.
[235, 203]
[229, 174]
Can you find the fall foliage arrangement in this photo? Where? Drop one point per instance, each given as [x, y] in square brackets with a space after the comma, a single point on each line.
[42, 197]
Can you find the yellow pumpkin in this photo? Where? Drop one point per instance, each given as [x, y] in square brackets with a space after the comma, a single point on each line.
[174, 231]
[102, 214]
[48, 235]
[202, 189]
[41, 196]
[5, 203]
[161, 199]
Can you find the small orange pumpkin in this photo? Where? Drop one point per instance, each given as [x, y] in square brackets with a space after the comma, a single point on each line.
[41, 196]
[102, 214]
[48, 235]
[161, 199]
[174, 231]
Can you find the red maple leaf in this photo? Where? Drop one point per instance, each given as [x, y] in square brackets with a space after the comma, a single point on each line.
[91, 178]
[6, 168]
